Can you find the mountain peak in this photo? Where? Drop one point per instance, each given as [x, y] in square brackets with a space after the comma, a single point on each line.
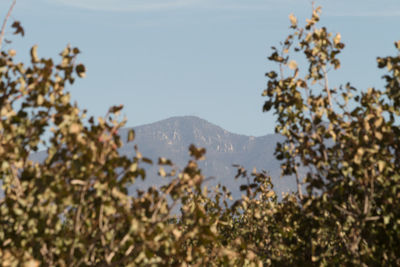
[182, 131]
[170, 138]
[180, 121]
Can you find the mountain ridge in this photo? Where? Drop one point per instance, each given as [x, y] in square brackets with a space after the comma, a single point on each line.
[171, 137]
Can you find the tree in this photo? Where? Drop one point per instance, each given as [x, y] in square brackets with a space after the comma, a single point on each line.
[73, 208]
[353, 181]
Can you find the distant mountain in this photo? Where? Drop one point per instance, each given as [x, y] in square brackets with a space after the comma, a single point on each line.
[171, 138]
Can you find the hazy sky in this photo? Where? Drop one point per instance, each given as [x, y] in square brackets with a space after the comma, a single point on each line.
[163, 58]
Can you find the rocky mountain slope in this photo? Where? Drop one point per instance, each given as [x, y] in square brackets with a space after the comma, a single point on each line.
[171, 138]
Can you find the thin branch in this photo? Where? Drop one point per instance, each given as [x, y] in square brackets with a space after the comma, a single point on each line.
[158, 205]
[299, 190]
[3, 27]
[77, 221]
[298, 182]
[343, 210]
[328, 92]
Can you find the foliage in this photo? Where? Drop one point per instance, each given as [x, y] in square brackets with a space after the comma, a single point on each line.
[73, 208]
[352, 154]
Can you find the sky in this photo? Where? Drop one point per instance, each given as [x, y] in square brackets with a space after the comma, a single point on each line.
[207, 58]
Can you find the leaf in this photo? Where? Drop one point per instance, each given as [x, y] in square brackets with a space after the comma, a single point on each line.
[80, 70]
[381, 165]
[378, 122]
[292, 65]
[131, 135]
[65, 52]
[40, 100]
[164, 161]
[18, 28]
[76, 50]
[12, 52]
[270, 194]
[32, 263]
[115, 109]
[197, 153]
[133, 167]
[243, 187]
[162, 172]
[78, 182]
[378, 135]
[336, 39]
[147, 160]
[74, 128]
[253, 186]
[293, 20]
[34, 56]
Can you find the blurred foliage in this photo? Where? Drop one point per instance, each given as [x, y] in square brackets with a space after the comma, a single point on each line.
[73, 208]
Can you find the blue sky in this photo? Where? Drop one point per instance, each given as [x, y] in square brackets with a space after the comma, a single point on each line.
[163, 58]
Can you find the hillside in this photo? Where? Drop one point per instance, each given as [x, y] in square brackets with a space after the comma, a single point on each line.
[171, 138]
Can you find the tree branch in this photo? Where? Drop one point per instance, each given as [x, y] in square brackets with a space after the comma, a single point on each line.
[327, 86]
[3, 27]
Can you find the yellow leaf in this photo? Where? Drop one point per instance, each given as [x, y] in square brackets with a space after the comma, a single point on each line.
[78, 182]
[293, 20]
[133, 167]
[162, 172]
[32, 263]
[177, 233]
[131, 135]
[34, 56]
[40, 100]
[381, 165]
[292, 65]
[270, 194]
[65, 99]
[378, 122]
[12, 52]
[74, 128]
[337, 38]
[101, 121]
